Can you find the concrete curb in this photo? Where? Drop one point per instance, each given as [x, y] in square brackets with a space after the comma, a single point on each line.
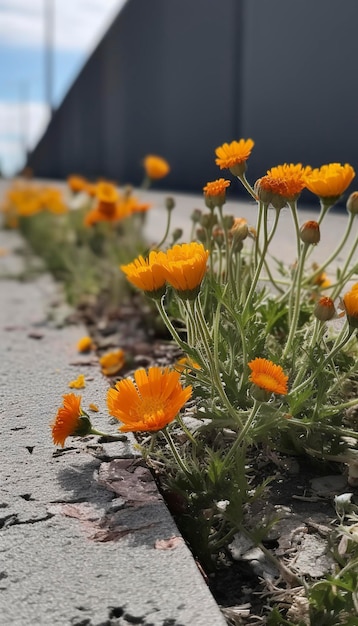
[73, 551]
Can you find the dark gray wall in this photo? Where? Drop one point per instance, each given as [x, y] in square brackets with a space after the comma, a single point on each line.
[180, 77]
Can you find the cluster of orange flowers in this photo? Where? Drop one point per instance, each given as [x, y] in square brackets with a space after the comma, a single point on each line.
[112, 206]
[152, 400]
[183, 266]
[25, 199]
[148, 404]
[283, 183]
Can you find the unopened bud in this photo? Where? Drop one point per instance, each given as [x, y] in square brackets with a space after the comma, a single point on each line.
[169, 203]
[208, 221]
[310, 232]
[196, 215]
[352, 203]
[240, 229]
[264, 195]
[228, 221]
[177, 234]
[218, 236]
[201, 235]
[325, 309]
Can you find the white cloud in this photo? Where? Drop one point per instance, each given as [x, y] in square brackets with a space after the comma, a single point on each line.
[78, 24]
[21, 125]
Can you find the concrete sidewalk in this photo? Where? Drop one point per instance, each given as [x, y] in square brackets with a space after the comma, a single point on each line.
[74, 551]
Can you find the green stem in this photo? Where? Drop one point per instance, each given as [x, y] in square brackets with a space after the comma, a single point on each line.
[247, 185]
[99, 433]
[175, 453]
[228, 267]
[267, 240]
[168, 324]
[319, 328]
[242, 434]
[335, 253]
[323, 364]
[213, 365]
[169, 217]
[297, 307]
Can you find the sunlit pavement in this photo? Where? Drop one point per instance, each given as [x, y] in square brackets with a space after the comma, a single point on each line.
[74, 552]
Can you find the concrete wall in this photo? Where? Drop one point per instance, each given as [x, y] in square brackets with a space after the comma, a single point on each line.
[179, 77]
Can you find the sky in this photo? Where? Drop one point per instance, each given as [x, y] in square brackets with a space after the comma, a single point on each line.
[78, 25]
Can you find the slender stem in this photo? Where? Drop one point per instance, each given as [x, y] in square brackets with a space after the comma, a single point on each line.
[242, 434]
[168, 324]
[319, 328]
[323, 364]
[169, 217]
[247, 185]
[256, 277]
[293, 207]
[186, 430]
[99, 433]
[297, 307]
[324, 209]
[175, 452]
[335, 253]
[213, 365]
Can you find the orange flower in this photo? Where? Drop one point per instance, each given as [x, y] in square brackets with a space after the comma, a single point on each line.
[107, 192]
[268, 376]
[216, 187]
[233, 156]
[77, 183]
[93, 407]
[285, 181]
[108, 207]
[215, 193]
[322, 281]
[131, 204]
[70, 420]
[330, 181]
[78, 383]
[156, 167]
[350, 303]
[84, 344]
[147, 274]
[185, 267]
[149, 404]
[112, 362]
[186, 364]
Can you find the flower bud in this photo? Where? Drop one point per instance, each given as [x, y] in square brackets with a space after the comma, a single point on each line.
[264, 195]
[196, 215]
[208, 221]
[240, 229]
[218, 236]
[169, 203]
[352, 203]
[228, 221]
[310, 232]
[325, 309]
[201, 235]
[177, 233]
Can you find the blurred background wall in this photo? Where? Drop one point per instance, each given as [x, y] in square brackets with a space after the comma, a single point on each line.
[179, 77]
